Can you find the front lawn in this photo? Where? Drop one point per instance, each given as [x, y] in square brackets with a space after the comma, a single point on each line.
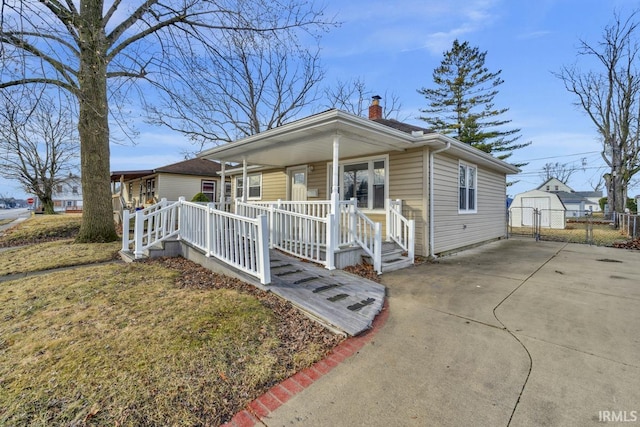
[42, 228]
[158, 343]
[56, 254]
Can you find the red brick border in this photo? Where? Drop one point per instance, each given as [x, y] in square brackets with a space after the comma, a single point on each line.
[280, 393]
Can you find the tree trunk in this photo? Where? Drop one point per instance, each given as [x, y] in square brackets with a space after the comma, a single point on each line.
[93, 127]
[47, 206]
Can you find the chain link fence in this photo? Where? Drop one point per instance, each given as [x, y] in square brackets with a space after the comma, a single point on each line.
[571, 226]
[629, 225]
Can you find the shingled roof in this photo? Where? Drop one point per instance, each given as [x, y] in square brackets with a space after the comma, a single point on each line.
[197, 166]
[401, 126]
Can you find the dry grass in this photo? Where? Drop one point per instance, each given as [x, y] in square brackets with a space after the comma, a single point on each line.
[158, 343]
[42, 228]
[60, 253]
[5, 221]
[603, 234]
[121, 344]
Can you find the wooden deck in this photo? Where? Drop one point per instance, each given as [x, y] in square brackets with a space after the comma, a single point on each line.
[336, 298]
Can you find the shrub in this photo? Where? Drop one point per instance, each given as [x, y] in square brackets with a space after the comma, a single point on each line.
[631, 204]
[200, 197]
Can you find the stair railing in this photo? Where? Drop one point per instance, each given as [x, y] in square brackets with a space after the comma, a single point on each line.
[400, 229]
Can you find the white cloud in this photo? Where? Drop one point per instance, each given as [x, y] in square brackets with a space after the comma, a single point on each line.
[430, 25]
[464, 18]
[534, 35]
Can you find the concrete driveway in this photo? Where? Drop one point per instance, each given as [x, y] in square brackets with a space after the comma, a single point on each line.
[511, 333]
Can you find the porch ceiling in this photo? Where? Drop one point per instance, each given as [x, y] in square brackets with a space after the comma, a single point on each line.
[311, 140]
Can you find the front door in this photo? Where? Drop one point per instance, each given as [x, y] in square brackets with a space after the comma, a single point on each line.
[298, 184]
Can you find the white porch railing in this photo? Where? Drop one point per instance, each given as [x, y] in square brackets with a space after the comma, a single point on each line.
[305, 236]
[242, 240]
[151, 226]
[400, 229]
[310, 235]
[237, 240]
[315, 208]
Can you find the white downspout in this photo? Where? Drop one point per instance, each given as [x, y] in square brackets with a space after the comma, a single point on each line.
[431, 209]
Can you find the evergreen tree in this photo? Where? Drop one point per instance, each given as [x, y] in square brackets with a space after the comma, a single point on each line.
[461, 102]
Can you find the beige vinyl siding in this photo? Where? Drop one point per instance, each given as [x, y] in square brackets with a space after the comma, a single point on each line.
[407, 182]
[317, 180]
[172, 186]
[274, 185]
[454, 230]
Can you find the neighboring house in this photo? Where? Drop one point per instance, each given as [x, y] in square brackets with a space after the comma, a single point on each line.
[140, 188]
[554, 185]
[454, 193]
[67, 194]
[577, 203]
[552, 212]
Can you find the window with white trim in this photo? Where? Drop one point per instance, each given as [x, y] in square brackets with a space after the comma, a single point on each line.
[254, 188]
[365, 180]
[208, 188]
[467, 178]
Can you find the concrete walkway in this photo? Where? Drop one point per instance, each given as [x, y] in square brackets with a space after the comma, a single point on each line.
[512, 333]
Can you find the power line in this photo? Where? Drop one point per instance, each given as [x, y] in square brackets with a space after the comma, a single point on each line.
[538, 172]
[556, 157]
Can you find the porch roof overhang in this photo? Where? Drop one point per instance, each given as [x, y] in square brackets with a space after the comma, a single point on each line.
[311, 140]
[129, 175]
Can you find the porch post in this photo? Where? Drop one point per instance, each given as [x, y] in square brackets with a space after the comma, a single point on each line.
[244, 180]
[334, 217]
[125, 230]
[223, 181]
[335, 197]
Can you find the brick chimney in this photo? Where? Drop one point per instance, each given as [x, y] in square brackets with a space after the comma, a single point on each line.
[375, 110]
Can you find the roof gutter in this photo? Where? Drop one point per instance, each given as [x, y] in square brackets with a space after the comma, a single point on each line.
[431, 207]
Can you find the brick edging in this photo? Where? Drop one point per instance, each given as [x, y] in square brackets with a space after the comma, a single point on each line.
[282, 392]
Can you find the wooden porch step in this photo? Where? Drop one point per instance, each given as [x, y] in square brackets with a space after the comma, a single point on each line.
[393, 257]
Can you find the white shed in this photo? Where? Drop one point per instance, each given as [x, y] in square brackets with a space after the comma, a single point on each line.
[551, 207]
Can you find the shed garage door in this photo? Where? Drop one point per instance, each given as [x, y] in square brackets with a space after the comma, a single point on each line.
[531, 203]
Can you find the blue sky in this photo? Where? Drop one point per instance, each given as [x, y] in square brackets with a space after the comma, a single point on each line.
[395, 45]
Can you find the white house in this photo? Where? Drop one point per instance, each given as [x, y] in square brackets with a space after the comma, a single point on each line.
[332, 184]
[67, 194]
[577, 203]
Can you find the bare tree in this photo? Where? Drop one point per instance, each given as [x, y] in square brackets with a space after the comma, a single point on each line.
[560, 171]
[83, 44]
[597, 185]
[611, 99]
[38, 143]
[247, 83]
[354, 97]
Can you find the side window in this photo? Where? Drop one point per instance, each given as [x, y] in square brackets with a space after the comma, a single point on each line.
[467, 176]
